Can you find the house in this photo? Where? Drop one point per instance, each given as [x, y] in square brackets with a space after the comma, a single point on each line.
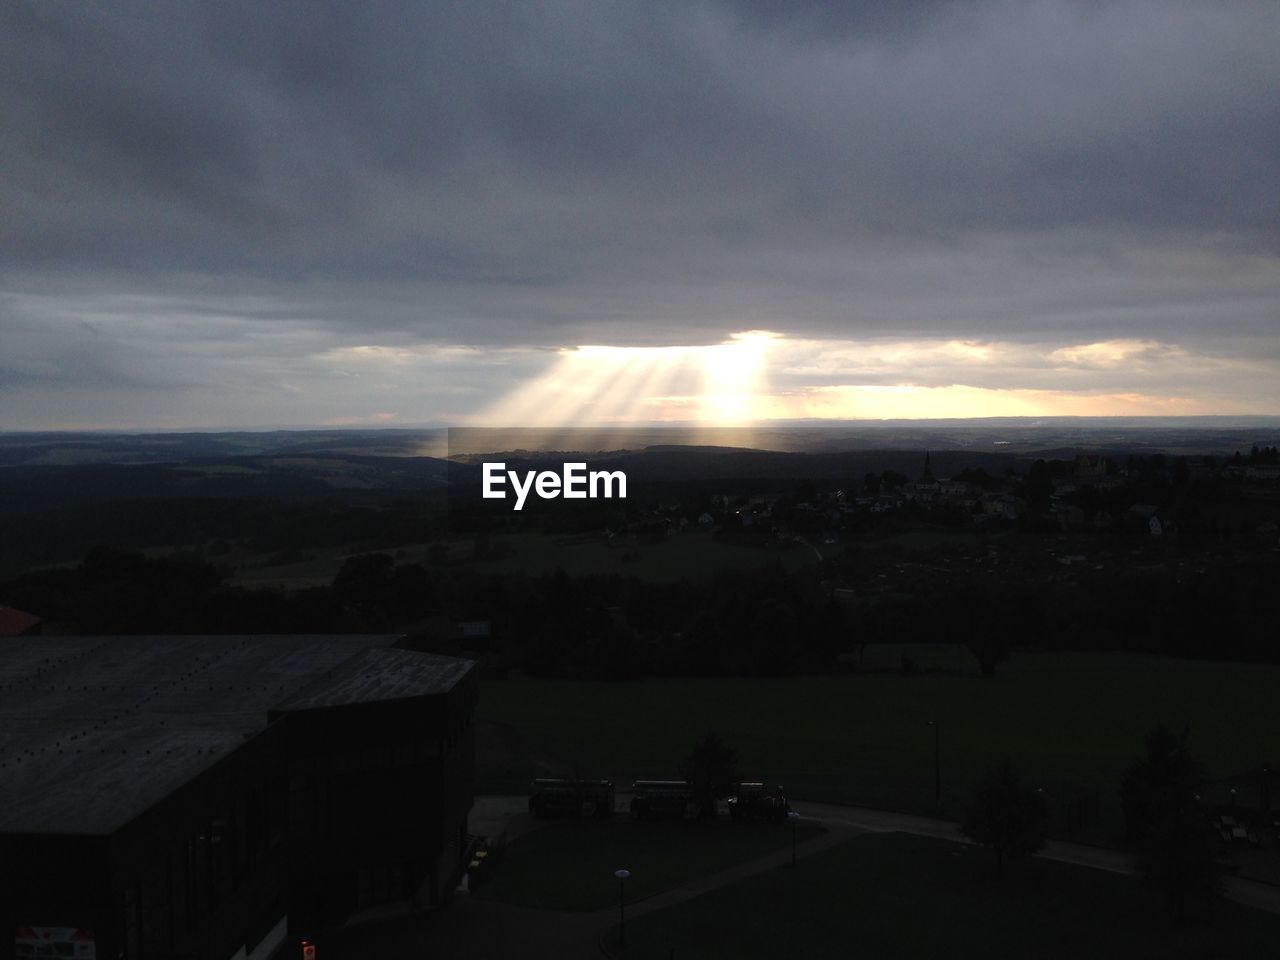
[955, 489]
[1262, 471]
[1004, 505]
[17, 623]
[475, 629]
[1090, 466]
[1068, 515]
[1145, 514]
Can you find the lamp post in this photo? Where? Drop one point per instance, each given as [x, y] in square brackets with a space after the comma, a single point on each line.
[622, 914]
[937, 765]
[794, 818]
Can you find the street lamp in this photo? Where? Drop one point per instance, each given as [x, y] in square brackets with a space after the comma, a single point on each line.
[794, 818]
[622, 916]
[937, 765]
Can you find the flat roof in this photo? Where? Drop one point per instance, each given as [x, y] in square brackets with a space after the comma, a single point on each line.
[95, 730]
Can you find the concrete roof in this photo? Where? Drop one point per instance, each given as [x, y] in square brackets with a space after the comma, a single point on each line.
[94, 730]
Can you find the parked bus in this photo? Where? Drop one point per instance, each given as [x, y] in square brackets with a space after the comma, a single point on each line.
[571, 798]
[656, 799]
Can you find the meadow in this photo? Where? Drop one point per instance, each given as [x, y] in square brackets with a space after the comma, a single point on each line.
[1072, 721]
[688, 556]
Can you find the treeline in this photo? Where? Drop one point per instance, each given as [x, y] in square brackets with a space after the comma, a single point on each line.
[215, 525]
[1221, 610]
[609, 627]
[1259, 455]
[115, 591]
[764, 623]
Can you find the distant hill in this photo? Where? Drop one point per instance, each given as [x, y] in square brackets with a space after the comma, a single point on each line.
[1021, 435]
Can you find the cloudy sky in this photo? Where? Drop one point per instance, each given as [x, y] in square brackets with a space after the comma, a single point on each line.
[245, 214]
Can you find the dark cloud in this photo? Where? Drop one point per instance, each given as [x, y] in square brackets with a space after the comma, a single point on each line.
[827, 21]
[558, 172]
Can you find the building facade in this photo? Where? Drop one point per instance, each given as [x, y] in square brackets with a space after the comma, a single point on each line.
[213, 797]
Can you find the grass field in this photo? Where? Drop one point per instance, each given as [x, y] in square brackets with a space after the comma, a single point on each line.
[569, 864]
[688, 556]
[891, 895]
[1076, 719]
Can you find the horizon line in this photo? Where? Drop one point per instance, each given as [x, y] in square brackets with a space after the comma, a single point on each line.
[1268, 420]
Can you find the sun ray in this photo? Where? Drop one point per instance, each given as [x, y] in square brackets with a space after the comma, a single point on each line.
[596, 384]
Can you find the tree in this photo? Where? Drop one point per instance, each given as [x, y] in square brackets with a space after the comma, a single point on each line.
[363, 578]
[1038, 486]
[1005, 815]
[892, 480]
[1166, 780]
[990, 648]
[985, 623]
[711, 769]
[1160, 797]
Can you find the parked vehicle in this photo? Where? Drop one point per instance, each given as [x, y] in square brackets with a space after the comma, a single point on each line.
[750, 799]
[656, 799]
[571, 798]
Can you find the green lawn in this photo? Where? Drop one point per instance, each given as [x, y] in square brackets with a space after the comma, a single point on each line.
[569, 864]
[891, 895]
[1075, 719]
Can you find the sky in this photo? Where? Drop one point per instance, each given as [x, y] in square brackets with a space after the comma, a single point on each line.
[335, 214]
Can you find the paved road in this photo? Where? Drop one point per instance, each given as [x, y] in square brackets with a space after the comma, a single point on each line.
[473, 929]
[476, 929]
[1251, 893]
[492, 812]
[836, 834]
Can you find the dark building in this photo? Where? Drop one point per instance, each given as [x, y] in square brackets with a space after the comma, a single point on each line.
[211, 797]
[17, 623]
